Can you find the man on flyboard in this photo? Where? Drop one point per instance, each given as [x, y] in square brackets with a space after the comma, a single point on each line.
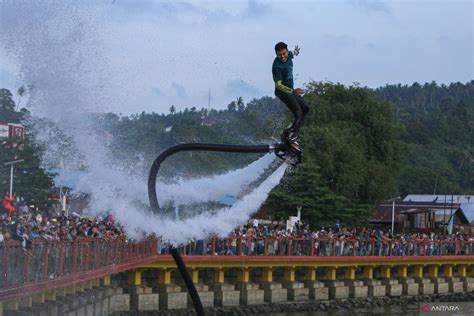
[282, 70]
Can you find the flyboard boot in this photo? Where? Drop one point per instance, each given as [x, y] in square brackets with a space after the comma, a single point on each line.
[289, 149]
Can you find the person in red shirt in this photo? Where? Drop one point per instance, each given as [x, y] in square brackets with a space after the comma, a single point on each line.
[7, 203]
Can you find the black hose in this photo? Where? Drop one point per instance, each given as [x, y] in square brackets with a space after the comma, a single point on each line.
[156, 207]
[187, 280]
[193, 147]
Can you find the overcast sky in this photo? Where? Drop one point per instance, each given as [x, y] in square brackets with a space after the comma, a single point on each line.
[166, 52]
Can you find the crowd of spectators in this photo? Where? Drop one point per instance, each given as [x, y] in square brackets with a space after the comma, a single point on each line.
[26, 225]
[254, 239]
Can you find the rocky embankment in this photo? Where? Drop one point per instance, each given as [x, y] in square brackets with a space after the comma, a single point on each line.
[307, 306]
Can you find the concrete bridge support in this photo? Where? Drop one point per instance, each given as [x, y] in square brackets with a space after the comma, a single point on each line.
[207, 297]
[357, 288]
[466, 278]
[224, 293]
[392, 285]
[317, 290]
[337, 288]
[154, 288]
[250, 293]
[171, 296]
[296, 289]
[273, 292]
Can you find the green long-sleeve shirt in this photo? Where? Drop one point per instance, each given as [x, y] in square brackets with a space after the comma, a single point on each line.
[283, 75]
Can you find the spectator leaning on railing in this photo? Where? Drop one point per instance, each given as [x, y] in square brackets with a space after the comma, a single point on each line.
[246, 240]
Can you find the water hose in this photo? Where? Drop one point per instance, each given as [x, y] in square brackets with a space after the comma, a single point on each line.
[156, 207]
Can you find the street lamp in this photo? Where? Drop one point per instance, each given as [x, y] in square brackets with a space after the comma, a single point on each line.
[393, 212]
[11, 163]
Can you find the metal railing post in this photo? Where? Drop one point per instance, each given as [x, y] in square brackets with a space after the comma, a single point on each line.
[61, 259]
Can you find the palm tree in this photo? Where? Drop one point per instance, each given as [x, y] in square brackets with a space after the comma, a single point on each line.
[240, 104]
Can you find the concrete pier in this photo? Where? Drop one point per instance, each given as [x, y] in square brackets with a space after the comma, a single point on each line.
[143, 299]
[376, 288]
[317, 290]
[410, 288]
[455, 285]
[250, 293]
[468, 283]
[440, 285]
[337, 289]
[171, 296]
[162, 289]
[274, 292]
[426, 287]
[296, 291]
[357, 288]
[392, 287]
[206, 296]
[225, 295]
[120, 302]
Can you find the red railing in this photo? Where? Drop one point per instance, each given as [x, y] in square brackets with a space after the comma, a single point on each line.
[289, 246]
[59, 262]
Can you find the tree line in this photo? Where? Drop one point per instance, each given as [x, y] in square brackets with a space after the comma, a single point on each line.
[361, 145]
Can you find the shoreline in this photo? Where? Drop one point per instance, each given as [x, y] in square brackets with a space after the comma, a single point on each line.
[314, 306]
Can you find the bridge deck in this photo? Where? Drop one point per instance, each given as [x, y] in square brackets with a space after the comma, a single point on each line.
[51, 265]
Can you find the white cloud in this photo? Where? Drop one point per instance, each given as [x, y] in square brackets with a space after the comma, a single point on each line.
[152, 47]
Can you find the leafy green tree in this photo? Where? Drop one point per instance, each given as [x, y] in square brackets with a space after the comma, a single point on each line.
[30, 181]
[172, 110]
[437, 128]
[240, 104]
[232, 107]
[352, 156]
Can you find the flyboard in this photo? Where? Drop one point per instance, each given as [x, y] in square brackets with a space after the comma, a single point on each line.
[283, 151]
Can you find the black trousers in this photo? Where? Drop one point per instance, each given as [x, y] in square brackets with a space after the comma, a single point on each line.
[298, 107]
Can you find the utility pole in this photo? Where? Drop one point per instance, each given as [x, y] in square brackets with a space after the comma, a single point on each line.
[11, 163]
[393, 212]
[209, 101]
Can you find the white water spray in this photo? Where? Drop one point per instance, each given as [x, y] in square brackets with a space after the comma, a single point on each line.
[62, 52]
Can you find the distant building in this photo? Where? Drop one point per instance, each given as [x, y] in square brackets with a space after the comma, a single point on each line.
[466, 202]
[440, 198]
[421, 216]
[208, 121]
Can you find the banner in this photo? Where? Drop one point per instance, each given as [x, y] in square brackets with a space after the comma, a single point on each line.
[17, 131]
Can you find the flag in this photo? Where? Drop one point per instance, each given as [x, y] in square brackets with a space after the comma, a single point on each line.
[450, 225]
